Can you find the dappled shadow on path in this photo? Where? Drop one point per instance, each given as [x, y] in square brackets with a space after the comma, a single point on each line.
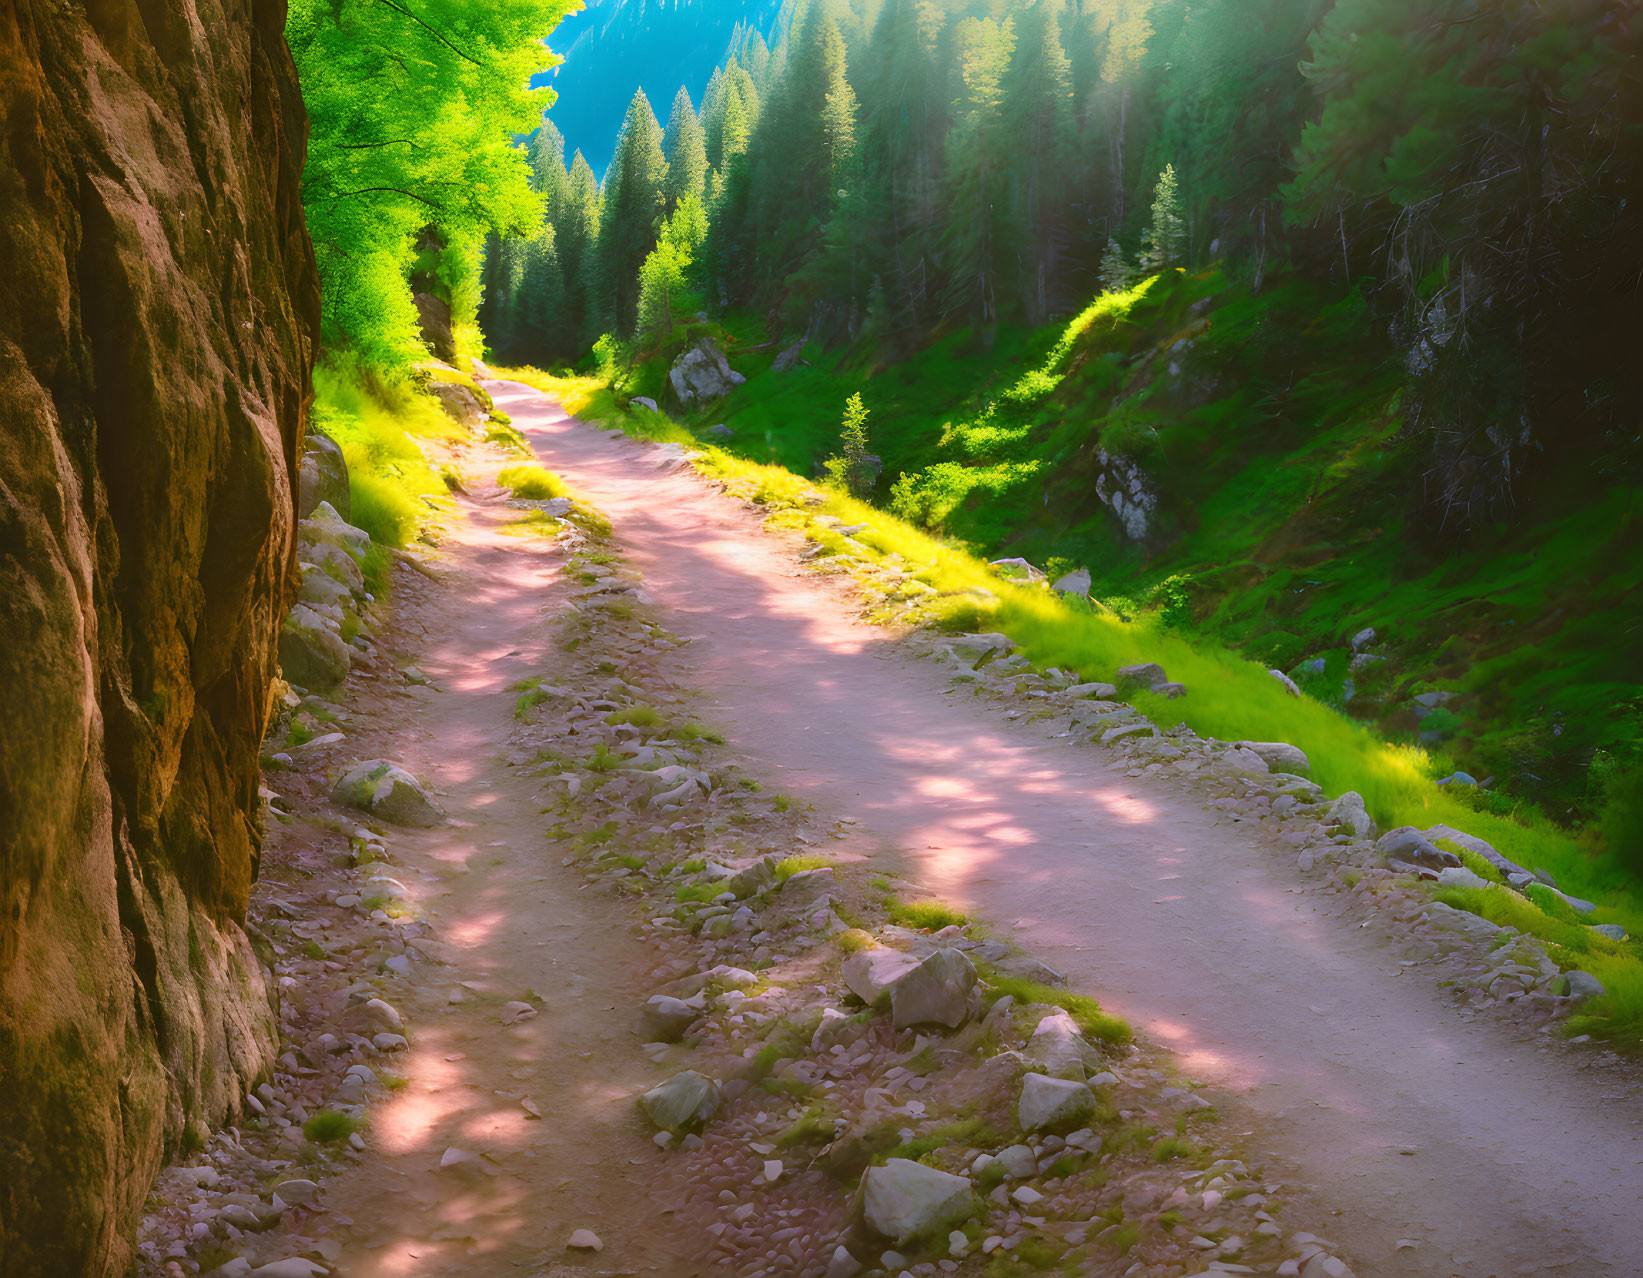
[1167, 912]
[464, 1178]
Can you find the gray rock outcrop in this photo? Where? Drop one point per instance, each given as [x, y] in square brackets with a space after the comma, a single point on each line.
[1048, 1103]
[936, 992]
[702, 374]
[1280, 756]
[905, 1201]
[682, 1104]
[323, 478]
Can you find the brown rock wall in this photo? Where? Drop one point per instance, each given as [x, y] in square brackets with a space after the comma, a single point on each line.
[158, 310]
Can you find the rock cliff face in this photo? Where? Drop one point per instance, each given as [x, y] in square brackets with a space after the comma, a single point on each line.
[158, 309]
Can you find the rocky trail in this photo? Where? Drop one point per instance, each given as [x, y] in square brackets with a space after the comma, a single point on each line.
[595, 899]
[1491, 1150]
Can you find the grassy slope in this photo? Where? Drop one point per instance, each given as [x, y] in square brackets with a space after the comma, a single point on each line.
[1271, 430]
[376, 422]
[1230, 698]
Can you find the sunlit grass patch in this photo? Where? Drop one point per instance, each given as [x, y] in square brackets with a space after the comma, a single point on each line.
[930, 916]
[694, 731]
[532, 482]
[1092, 1022]
[787, 868]
[638, 716]
[535, 523]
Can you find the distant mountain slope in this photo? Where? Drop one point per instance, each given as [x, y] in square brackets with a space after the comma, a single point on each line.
[617, 46]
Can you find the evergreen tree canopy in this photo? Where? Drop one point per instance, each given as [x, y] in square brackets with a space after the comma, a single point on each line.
[684, 145]
[634, 202]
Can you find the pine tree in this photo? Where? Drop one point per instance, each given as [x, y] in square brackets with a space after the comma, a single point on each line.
[685, 147]
[1165, 237]
[669, 274]
[978, 229]
[633, 206]
[1116, 273]
[1039, 94]
[548, 175]
[852, 469]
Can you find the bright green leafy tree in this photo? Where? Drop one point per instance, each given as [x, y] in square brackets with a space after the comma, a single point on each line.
[413, 107]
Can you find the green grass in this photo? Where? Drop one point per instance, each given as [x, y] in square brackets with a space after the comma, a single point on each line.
[694, 731]
[532, 482]
[328, 1127]
[375, 422]
[787, 868]
[640, 716]
[963, 1131]
[930, 916]
[1092, 1022]
[852, 940]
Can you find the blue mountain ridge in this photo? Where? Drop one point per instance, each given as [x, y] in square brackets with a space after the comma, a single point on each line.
[616, 46]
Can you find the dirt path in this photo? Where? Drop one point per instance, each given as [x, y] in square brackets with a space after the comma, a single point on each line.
[518, 928]
[1485, 1152]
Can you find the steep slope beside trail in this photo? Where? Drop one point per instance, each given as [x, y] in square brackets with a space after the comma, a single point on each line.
[1491, 1153]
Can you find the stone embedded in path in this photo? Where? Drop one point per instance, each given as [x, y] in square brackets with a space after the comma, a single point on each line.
[664, 1019]
[756, 878]
[1089, 691]
[1459, 876]
[904, 1201]
[976, 646]
[1280, 756]
[808, 882]
[1058, 1046]
[291, 1267]
[1053, 1102]
[936, 992]
[386, 790]
[585, 1240]
[869, 973]
[1018, 1161]
[1244, 761]
[683, 1103]
[1471, 926]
